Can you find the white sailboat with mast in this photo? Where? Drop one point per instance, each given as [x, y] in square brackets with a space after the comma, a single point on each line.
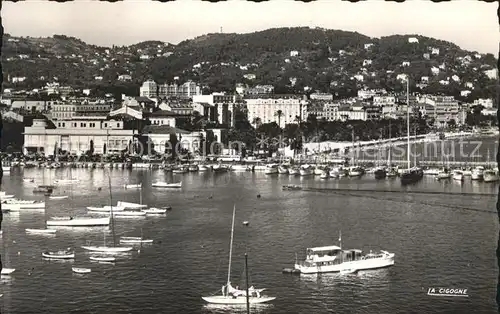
[104, 248]
[233, 296]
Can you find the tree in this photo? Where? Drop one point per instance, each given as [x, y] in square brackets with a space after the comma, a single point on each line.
[279, 114]
[91, 148]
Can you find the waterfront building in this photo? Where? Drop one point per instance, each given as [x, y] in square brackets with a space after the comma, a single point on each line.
[266, 107]
[77, 136]
[160, 138]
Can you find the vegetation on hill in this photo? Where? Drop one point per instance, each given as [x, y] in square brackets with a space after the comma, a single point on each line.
[325, 60]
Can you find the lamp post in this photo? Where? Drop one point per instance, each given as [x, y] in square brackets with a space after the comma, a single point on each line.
[246, 223]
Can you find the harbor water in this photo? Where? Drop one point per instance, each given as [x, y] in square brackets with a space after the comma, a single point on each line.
[440, 240]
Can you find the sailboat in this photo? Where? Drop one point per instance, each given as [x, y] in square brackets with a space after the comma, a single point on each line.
[129, 205]
[415, 174]
[104, 248]
[232, 296]
[380, 172]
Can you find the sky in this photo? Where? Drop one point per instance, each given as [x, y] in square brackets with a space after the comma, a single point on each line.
[470, 24]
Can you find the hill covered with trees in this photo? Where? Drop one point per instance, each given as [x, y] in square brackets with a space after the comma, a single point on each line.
[291, 59]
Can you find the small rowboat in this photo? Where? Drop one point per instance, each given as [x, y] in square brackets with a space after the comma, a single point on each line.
[42, 231]
[59, 255]
[102, 259]
[7, 271]
[29, 180]
[79, 270]
[58, 197]
[167, 185]
[154, 211]
[135, 240]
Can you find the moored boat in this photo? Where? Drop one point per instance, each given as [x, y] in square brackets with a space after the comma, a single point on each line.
[78, 221]
[108, 249]
[106, 208]
[306, 170]
[356, 171]
[334, 259]
[58, 197]
[128, 205]
[490, 175]
[65, 254]
[135, 240]
[283, 169]
[203, 168]
[7, 271]
[458, 175]
[65, 181]
[102, 258]
[477, 173]
[41, 231]
[230, 295]
[444, 174]
[133, 186]
[380, 173]
[271, 169]
[167, 185]
[80, 270]
[193, 168]
[294, 171]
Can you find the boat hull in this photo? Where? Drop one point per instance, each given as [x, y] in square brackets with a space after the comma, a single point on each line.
[41, 231]
[229, 300]
[105, 249]
[62, 256]
[89, 222]
[366, 264]
[7, 271]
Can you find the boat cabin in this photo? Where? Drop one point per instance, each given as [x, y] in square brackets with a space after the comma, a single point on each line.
[331, 255]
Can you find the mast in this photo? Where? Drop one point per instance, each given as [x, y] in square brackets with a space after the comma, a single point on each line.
[111, 210]
[408, 118]
[340, 245]
[231, 249]
[246, 275]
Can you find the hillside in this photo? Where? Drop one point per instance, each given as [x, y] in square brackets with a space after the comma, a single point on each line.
[289, 58]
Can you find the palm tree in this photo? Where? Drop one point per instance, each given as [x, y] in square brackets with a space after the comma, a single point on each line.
[279, 114]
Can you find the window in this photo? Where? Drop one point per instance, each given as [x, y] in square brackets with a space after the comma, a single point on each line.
[59, 124]
[64, 125]
[81, 124]
[118, 125]
[105, 125]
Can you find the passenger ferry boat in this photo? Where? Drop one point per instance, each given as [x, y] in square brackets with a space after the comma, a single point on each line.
[333, 258]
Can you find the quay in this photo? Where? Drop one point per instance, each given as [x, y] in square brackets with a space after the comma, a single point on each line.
[432, 163]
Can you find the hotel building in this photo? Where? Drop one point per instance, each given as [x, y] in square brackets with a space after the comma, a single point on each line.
[266, 108]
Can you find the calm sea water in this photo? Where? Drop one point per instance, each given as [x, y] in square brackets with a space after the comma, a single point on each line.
[440, 240]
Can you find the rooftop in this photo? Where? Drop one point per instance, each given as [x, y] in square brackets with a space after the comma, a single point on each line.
[162, 129]
[163, 113]
[324, 248]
